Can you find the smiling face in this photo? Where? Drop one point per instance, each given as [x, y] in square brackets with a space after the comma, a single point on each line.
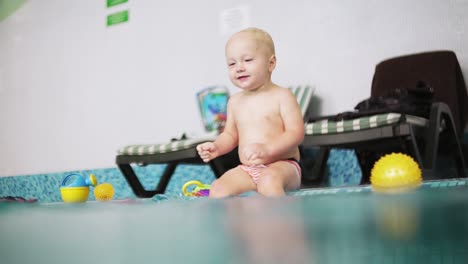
[250, 59]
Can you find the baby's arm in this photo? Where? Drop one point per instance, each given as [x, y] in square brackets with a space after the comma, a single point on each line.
[225, 142]
[211, 150]
[293, 134]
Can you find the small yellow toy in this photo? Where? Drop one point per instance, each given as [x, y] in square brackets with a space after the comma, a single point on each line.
[74, 194]
[395, 172]
[75, 187]
[199, 190]
[104, 192]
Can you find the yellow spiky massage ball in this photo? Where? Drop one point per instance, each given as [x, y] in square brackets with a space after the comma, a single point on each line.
[104, 192]
[395, 172]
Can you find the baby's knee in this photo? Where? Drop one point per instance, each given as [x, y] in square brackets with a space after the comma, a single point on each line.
[269, 185]
[218, 190]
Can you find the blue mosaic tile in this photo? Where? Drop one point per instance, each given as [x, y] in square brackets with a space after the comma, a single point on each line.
[342, 168]
[46, 187]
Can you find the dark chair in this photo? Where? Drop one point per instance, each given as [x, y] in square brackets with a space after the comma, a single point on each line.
[427, 140]
[184, 151]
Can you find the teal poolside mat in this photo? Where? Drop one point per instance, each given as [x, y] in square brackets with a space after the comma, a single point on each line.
[341, 225]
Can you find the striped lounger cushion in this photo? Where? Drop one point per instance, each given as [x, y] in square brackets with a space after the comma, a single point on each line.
[150, 149]
[323, 127]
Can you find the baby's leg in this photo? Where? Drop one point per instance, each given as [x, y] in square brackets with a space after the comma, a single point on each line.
[235, 181]
[277, 178]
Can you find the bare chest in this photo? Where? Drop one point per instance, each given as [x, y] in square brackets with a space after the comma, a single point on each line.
[261, 113]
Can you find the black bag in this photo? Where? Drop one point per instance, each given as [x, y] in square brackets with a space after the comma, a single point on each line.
[415, 101]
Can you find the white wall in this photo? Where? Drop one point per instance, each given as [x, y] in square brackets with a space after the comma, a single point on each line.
[73, 91]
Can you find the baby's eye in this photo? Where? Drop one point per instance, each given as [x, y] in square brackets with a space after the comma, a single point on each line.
[248, 59]
[231, 64]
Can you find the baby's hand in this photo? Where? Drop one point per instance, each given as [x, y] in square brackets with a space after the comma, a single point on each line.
[255, 152]
[207, 151]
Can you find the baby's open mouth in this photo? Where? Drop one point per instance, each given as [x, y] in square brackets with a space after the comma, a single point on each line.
[242, 77]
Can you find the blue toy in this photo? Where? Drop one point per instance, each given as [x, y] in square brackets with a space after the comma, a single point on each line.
[77, 180]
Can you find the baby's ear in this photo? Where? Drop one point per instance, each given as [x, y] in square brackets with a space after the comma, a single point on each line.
[272, 63]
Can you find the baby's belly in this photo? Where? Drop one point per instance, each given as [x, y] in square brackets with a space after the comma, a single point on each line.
[292, 153]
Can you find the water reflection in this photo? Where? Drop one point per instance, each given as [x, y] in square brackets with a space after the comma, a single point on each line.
[267, 231]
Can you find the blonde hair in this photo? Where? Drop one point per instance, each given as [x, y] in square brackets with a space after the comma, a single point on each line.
[261, 36]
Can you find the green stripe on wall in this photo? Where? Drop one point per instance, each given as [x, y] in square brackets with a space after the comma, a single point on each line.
[8, 7]
[117, 18]
[115, 2]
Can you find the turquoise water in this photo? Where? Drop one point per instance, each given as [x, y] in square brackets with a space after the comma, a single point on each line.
[341, 225]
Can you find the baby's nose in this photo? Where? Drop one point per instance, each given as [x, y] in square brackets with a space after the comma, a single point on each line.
[240, 68]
